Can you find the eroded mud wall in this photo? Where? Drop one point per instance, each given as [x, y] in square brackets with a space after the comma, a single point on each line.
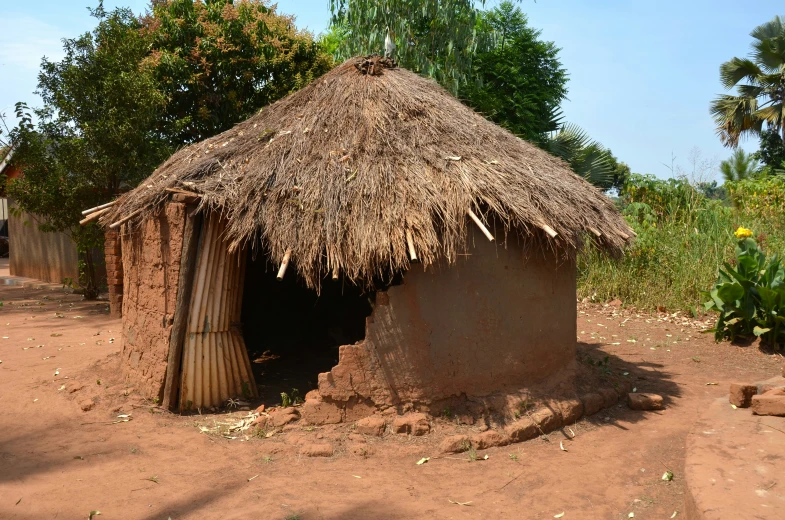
[151, 268]
[496, 321]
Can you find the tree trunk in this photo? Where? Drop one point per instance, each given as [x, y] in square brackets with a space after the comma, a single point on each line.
[89, 281]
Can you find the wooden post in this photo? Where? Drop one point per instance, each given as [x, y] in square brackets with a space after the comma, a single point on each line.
[191, 244]
[126, 218]
[410, 242]
[480, 225]
[284, 264]
[548, 229]
[92, 216]
[102, 206]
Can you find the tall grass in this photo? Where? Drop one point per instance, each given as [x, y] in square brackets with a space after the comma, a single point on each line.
[683, 238]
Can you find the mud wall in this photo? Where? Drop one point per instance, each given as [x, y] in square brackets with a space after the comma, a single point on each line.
[151, 269]
[497, 321]
[33, 253]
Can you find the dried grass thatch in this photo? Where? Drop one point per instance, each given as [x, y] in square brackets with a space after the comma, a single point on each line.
[341, 170]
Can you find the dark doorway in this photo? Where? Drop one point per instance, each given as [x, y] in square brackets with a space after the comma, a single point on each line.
[291, 332]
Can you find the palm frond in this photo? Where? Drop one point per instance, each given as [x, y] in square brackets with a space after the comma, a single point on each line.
[737, 69]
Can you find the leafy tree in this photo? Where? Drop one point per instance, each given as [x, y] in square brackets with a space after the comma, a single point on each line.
[437, 38]
[760, 84]
[739, 166]
[771, 152]
[218, 62]
[96, 134]
[518, 81]
[131, 91]
[620, 170]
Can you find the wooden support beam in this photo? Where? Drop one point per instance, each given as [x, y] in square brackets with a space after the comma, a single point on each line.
[93, 216]
[125, 219]
[102, 206]
[191, 244]
[480, 225]
[548, 229]
[284, 264]
[595, 232]
[410, 243]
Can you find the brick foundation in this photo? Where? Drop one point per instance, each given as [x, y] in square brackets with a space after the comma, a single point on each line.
[114, 272]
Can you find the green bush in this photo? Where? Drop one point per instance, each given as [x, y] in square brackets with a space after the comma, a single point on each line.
[750, 298]
[683, 237]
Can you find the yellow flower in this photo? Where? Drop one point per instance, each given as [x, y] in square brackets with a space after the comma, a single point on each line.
[743, 232]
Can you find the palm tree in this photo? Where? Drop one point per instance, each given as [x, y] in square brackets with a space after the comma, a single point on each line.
[760, 84]
[588, 158]
[740, 166]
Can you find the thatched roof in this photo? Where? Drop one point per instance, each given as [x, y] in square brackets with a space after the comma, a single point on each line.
[339, 171]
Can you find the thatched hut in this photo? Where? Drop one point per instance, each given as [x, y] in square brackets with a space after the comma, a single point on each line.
[368, 236]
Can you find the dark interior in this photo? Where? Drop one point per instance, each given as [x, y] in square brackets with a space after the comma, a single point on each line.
[292, 334]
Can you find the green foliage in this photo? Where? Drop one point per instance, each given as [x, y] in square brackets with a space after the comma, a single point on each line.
[96, 134]
[739, 166]
[771, 152]
[436, 38]
[764, 195]
[759, 83]
[587, 158]
[750, 298]
[518, 81]
[683, 236]
[218, 63]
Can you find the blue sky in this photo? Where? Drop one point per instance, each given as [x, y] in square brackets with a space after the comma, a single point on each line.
[642, 74]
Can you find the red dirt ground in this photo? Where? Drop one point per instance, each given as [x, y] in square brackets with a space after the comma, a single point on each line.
[57, 461]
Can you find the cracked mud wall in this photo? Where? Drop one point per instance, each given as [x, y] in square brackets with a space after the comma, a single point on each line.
[151, 270]
[496, 321]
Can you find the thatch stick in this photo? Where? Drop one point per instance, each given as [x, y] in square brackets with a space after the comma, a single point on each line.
[410, 242]
[97, 208]
[93, 216]
[595, 232]
[548, 229]
[335, 272]
[480, 225]
[126, 218]
[625, 236]
[174, 367]
[284, 264]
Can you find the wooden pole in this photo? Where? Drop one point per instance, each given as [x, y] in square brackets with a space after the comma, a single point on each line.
[410, 242]
[284, 264]
[548, 229]
[126, 218]
[480, 225]
[223, 389]
[97, 208]
[93, 216]
[595, 232]
[191, 241]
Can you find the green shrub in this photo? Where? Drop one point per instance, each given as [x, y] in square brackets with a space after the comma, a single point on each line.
[750, 298]
[683, 237]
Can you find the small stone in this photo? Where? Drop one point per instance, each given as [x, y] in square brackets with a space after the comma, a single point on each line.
[741, 394]
[317, 450]
[609, 397]
[356, 437]
[522, 430]
[547, 420]
[373, 425]
[775, 391]
[489, 439]
[284, 416]
[644, 401]
[317, 412]
[412, 423]
[86, 405]
[769, 405]
[571, 410]
[75, 388]
[455, 444]
[320, 436]
[615, 303]
[592, 403]
[623, 387]
[260, 409]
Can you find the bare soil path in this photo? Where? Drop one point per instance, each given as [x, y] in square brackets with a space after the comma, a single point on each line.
[56, 461]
